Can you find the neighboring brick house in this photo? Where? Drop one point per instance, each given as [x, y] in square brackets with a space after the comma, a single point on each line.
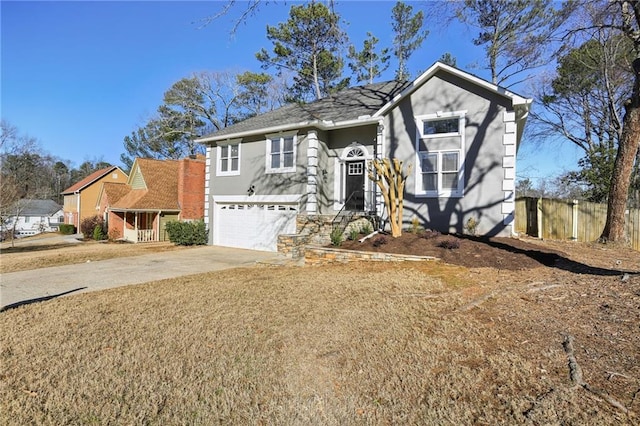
[80, 199]
[156, 192]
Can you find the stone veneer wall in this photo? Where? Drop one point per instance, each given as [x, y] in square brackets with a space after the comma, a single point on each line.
[314, 255]
[310, 229]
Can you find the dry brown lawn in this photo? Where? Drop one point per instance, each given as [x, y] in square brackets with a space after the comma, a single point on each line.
[51, 251]
[362, 343]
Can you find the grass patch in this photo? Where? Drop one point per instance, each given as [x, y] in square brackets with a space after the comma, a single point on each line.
[358, 343]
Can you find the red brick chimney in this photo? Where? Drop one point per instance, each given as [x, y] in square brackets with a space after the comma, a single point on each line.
[191, 187]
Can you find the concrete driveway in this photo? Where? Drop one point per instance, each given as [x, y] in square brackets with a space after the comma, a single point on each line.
[20, 288]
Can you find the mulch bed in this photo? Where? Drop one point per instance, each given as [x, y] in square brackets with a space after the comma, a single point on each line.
[464, 250]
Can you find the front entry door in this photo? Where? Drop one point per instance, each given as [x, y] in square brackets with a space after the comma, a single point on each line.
[354, 186]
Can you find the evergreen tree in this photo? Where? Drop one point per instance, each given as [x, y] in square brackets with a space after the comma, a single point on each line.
[308, 45]
[367, 64]
[408, 37]
[448, 59]
[514, 33]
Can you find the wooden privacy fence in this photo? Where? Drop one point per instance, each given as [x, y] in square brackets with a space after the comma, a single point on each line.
[574, 220]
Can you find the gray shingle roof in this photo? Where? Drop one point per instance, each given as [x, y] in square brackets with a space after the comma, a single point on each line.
[345, 105]
[38, 207]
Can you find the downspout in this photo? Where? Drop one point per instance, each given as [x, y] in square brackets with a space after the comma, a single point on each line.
[78, 228]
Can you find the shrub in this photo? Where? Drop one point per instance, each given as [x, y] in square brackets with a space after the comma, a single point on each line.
[98, 233]
[354, 234]
[67, 229]
[336, 237]
[429, 233]
[367, 228]
[472, 226]
[449, 244]
[187, 233]
[381, 240]
[415, 225]
[88, 225]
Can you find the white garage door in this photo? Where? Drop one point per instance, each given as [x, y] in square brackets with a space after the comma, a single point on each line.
[253, 226]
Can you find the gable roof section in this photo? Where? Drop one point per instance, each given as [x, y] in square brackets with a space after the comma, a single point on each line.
[89, 180]
[516, 100]
[38, 207]
[113, 191]
[161, 177]
[355, 106]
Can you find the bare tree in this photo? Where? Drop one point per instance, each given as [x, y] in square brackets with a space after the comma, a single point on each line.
[514, 33]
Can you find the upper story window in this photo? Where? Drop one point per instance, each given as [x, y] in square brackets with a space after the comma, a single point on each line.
[440, 126]
[281, 153]
[228, 154]
[440, 154]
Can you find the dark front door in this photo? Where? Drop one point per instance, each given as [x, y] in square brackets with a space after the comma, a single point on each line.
[354, 185]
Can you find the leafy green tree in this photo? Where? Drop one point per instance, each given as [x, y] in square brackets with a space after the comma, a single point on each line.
[408, 35]
[514, 33]
[308, 45]
[367, 64]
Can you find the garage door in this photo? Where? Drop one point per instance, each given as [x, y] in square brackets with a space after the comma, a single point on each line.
[253, 226]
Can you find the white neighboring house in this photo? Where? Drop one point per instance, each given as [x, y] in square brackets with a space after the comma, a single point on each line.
[33, 217]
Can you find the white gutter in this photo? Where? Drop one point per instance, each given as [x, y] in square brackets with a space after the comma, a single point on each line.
[79, 211]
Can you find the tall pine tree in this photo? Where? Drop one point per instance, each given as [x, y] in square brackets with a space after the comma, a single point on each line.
[308, 45]
[408, 37]
[367, 64]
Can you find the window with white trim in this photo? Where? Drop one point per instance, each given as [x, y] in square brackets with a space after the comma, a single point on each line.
[281, 153]
[440, 154]
[228, 154]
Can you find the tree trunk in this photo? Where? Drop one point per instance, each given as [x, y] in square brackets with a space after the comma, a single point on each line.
[614, 229]
[389, 177]
[316, 79]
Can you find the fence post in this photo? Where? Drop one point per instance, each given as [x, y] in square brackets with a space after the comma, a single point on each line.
[574, 213]
[539, 218]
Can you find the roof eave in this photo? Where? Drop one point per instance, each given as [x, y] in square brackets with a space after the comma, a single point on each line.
[262, 130]
[320, 124]
[142, 210]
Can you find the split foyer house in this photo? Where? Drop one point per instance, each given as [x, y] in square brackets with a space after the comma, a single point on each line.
[460, 133]
[156, 192]
[80, 199]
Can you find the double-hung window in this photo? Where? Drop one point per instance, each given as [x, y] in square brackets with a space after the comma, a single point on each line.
[281, 153]
[228, 158]
[440, 154]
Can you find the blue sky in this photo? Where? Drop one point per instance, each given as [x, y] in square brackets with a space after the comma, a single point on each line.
[80, 76]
